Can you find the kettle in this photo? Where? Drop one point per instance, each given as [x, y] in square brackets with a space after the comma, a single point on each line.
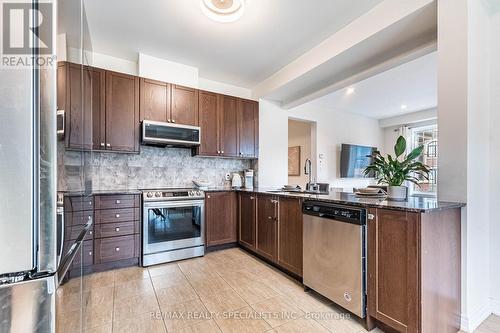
[236, 181]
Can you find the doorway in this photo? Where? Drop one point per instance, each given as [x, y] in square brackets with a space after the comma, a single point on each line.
[301, 147]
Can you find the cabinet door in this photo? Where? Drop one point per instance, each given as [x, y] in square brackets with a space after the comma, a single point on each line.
[208, 118]
[393, 269]
[154, 100]
[62, 83]
[229, 126]
[122, 112]
[248, 124]
[290, 234]
[247, 219]
[184, 109]
[95, 104]
[267, 220]
[220, 218]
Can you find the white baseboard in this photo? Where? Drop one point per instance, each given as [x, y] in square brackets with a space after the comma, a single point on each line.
[495, 306]
[475, 318]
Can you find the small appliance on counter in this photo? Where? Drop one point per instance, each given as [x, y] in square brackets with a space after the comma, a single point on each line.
[236, 182]
[249, 179]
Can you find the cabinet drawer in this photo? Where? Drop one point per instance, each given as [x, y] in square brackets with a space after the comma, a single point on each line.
[77, 218]
[116, 201]
[116, 215]
[73, 204]
[116, 229]
[87, 255]
[116, 248]
[72, 232]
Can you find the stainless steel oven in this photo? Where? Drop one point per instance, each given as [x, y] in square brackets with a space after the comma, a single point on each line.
[173, 225]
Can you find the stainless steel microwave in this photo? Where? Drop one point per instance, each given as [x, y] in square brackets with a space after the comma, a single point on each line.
[170, 135]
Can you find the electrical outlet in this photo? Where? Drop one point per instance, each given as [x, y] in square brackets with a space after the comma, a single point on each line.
[228, 176]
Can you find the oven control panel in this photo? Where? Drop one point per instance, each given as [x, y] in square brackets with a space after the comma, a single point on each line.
[166, 195]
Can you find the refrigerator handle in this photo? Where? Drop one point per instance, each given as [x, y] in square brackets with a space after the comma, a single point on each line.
[61, 228]
[68, 259]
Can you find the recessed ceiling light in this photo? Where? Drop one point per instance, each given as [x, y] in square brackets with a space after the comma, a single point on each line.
[223, 11]
[350, 91]
[404, 107]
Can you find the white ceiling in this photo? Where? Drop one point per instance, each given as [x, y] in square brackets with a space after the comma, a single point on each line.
[413, 84]
[270, 34]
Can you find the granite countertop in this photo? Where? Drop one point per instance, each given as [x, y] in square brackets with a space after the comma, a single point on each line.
[100, 192]
[413, 204]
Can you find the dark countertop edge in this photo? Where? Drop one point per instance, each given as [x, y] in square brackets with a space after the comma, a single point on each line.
[349, 200]
[385, 204]
[113, 192]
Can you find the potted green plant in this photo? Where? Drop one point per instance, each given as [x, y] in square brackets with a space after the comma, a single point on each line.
[395, 171]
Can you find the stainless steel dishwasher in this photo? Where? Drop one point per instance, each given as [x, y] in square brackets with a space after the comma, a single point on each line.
[335, 253]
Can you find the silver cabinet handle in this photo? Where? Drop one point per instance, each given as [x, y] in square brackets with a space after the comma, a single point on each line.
[118, 202]
[173, 121]
[108, 145]
[252, 197]
[218, 151]
[117, 215]
[102, 144]
[90, 232]
[371, 217]
[269, 218]
[208, 197]
[90, 253]
[222, 152]
[117, 249]
[89, 218]
[117, 229]
[90, 203]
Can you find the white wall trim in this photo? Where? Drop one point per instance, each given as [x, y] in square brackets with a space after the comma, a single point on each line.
[495, 306]
[410, 118]
[476, 317]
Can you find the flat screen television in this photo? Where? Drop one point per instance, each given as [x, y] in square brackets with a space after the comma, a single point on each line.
[354, 159]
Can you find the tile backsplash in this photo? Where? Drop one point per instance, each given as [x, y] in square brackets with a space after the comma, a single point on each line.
[152, 168]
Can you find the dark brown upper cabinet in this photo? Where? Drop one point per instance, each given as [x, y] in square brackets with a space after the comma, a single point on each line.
[80, 93]
[122, 113]
[248, 126]
[184, 109]
[154, 100]
[229, 126]
[208, 115]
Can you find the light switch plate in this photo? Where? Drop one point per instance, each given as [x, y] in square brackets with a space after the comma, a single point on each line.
[228, 176]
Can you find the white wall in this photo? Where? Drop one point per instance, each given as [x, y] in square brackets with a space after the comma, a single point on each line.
[333, 128]
[464, 95]
[495, 161]
[273, 145]
[299, 134]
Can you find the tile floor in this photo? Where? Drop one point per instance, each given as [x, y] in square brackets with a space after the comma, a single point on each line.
[225, 291]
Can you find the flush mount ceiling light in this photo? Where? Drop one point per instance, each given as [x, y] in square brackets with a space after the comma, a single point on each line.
[224, 11]
[404, 107]
[350, 91]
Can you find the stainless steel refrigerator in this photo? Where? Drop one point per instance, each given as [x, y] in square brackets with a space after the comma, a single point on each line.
[32, 261]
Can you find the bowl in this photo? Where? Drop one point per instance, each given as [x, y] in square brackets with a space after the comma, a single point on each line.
[201, 183]
[290, 187]
[369, 190]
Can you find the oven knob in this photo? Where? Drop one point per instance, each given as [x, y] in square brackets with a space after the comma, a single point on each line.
[191, 193]
[150, 194]
[198, 193]
[158, 194]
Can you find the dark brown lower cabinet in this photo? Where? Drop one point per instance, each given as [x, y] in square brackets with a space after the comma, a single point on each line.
[290, 234]
[247, 219]
[267, 226]
[414, 270]
[220, 218]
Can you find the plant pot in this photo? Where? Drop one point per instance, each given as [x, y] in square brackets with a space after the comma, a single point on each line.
[397, 193]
